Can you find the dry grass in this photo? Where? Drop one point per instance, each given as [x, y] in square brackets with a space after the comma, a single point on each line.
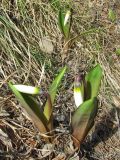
[22, 60]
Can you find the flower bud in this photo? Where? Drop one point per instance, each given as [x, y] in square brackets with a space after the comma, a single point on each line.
[78, 91]
[67, 16]
[28, 89]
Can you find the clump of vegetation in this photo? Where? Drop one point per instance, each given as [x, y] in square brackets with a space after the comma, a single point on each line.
[85, 94]
[42, 119]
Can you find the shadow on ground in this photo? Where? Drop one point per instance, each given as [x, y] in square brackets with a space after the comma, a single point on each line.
[104, 130]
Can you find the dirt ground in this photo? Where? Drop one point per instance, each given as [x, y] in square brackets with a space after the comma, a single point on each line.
[24, 60]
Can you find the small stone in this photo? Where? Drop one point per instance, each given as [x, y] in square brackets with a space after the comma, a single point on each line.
[46, 45]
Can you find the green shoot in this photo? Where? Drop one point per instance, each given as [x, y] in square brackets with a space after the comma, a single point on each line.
[83, 120]
[64, 21]
[32, 108]
[52, 92]
[83, 117]
[42, 119]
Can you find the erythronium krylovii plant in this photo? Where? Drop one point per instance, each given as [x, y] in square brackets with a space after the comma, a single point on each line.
[65, 21]
[26, 96]
[85, 95]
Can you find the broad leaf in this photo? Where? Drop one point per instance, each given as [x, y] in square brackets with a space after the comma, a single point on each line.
[92, 80]
[52, 92]
[83, 120]
[32, 108]
[64, 21]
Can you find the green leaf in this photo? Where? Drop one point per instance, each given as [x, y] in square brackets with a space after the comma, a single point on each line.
[32, 108]
[92, 80]
[48, 112]
[52, 92]
[64, 21]
[117, 51]
[83, 120]
[111, 15]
